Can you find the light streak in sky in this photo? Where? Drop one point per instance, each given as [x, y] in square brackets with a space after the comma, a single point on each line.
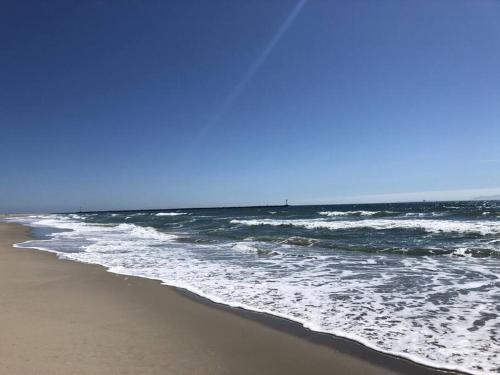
[240, 86]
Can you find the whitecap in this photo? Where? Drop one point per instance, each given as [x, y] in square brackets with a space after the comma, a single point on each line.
[348, 213]
[430, 226]
[170, 213]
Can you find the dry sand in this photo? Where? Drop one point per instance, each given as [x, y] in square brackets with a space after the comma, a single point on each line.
[63, 317]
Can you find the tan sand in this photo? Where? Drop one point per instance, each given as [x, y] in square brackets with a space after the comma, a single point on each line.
[63, 317]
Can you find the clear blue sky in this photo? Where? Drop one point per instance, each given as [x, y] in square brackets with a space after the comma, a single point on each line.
[143, 104]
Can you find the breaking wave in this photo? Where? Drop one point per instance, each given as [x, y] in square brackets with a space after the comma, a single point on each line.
[430, 226]
[170, 213]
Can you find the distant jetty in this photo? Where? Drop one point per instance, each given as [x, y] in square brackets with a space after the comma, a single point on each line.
[180, 209]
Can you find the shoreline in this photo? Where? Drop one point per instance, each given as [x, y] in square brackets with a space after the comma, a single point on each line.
[322, 352]
[338, 343]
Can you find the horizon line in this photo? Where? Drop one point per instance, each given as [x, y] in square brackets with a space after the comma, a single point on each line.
[272, 206]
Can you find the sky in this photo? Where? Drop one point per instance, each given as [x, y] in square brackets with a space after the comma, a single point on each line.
[154, 104]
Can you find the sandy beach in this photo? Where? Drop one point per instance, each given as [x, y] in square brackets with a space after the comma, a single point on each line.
[64, 317]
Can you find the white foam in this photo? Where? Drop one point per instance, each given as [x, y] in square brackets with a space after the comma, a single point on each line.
[462, 251]
[430, 225]
[170, 213]
[425, 214]
[245, 247]
[146, 232]
[348, 213]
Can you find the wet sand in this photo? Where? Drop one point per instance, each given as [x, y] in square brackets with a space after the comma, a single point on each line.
[63, 317]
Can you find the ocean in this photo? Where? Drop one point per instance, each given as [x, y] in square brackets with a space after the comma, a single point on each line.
[416, 280]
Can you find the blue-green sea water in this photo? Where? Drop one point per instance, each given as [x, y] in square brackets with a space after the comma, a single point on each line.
[418, 280]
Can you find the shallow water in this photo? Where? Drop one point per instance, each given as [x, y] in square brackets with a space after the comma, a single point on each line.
[418, 280]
